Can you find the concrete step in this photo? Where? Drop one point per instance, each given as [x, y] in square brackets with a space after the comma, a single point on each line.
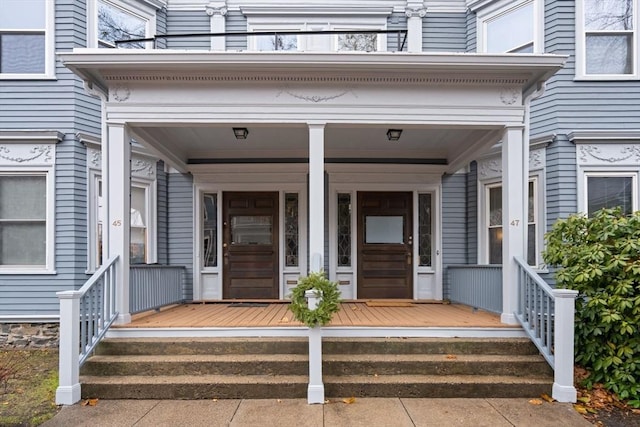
[333, 364]
[289, 387]
[166, 346]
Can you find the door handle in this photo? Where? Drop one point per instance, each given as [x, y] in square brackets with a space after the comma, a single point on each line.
[408, 258]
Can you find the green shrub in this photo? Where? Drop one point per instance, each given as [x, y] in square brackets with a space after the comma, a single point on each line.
[600, 258]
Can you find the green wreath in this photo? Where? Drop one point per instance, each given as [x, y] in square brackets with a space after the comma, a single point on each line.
[329, 303]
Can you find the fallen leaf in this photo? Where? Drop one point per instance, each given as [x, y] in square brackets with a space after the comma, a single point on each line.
[548, 398]
[284, 320]
[214, 399]
[90, 402]
[535, 402]
[349, 400]
[279, 400]
[636, 411]
[580, 409]
[451, 356]
[584, 399]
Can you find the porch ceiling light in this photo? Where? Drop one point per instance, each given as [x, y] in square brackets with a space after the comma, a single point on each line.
[394, 134]
[241, 133]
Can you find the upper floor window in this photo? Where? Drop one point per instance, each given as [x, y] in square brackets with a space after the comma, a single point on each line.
[114, 20]
[606, 39]
[511, 27]
[26, 39]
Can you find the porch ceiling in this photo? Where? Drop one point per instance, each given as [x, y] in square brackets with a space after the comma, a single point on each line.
[217, 144]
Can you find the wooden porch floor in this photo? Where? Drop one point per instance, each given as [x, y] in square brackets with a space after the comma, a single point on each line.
[277, 314]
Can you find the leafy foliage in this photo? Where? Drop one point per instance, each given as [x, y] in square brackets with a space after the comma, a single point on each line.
[600, 258]
[329, 303]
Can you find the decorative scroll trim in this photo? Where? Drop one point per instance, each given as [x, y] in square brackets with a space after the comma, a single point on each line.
[415, 12]
[624, 152]
[314, 98]
[321, 79]
[216, 8]
[121, 93]
[492, 168]
[42, 152]
[509, 96]
[142, 167]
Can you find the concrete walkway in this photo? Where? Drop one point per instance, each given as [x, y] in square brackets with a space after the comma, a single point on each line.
[369, 412]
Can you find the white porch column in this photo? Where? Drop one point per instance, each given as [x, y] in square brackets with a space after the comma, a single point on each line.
[315, 390]
[316, 195]
[515, 188]
[415, 11]
[217, 11]
[116, 189]
[564, 336]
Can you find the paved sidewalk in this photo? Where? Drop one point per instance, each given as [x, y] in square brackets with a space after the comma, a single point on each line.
[369, 412]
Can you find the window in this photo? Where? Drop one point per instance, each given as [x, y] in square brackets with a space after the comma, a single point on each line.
[344, 230]
[112, 20]
[493, 214]
[610, 191]
[142, 233]
[606, 39]
[25, 223]
[26, 39]
[511, 27]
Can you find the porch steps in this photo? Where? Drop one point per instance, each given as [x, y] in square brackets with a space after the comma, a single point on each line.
[252, 368]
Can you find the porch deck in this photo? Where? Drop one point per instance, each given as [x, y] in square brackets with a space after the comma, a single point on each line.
[383, 314]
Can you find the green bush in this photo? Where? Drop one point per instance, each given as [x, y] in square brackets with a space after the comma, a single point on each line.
[600, 258]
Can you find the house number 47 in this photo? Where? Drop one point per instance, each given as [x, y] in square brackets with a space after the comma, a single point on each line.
[515, 222]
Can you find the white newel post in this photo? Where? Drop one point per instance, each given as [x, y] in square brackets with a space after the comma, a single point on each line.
[414, 11]
[217, 11]
[116, 178]
[515, 186]
[563, 345]
[315, 391]
[68, 391]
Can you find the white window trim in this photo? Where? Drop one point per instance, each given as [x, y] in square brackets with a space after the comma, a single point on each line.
[309, 23]
[494, 9]
[138, 9]
[48, 173]
[586, 173]
[581, 57]
[49, 50]
[539, 213]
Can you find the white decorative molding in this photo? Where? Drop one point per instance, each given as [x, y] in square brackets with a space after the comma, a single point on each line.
[491, 168]
[608, 154]
[419, 12]
[95, 158]
[27, 154]
[315, 98]
[217, 8]
[121, 93]
[141, 167]
[509, 96]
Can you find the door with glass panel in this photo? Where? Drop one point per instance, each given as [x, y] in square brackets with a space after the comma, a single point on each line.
[250, 245]
[385, 243]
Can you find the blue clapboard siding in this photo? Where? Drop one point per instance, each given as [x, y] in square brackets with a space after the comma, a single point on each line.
[454, 222]
[180, 226]
[472, 213]
[188, 21]
[162, 214]
[471, 32]
[236, 22]
[444, 32]
[397, 21]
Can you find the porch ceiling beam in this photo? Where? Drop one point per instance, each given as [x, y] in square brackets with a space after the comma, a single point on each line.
[159, 150]
[472, 150]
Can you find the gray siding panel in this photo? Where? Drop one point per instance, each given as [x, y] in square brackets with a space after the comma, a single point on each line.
[397, 21]
[236, 23]
[454, 222]
[444, 32]
[472, 213]
[472, 35]
[162, 212]
[180, 228]
[191, 21]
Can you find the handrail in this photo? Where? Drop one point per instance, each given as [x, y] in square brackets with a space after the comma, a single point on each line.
[547, 316]
[85, 317]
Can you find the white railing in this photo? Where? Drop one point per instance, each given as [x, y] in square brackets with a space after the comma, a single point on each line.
[547, 316]
[85, 316]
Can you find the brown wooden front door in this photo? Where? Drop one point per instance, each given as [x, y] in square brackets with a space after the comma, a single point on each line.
[250, 245]
[385, 267]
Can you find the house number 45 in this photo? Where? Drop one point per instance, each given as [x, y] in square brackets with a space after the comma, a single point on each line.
[515, 222]
[117, 223]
